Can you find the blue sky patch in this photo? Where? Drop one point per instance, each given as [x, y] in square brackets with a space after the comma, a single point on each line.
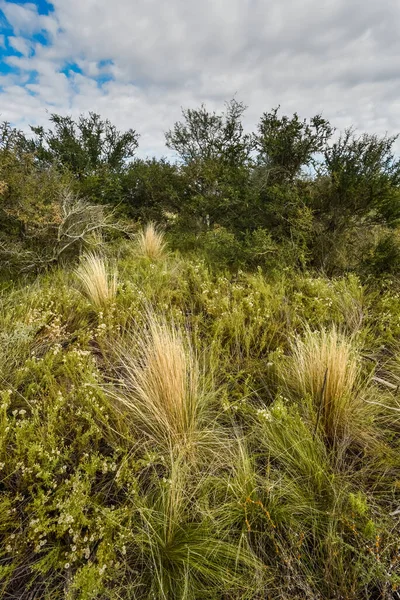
[71, 68]
[105, 74]
[41, 38]
[43, 7]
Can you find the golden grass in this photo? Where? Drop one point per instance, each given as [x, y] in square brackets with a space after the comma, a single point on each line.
[151, 242]
[163, 387]
[98, 281]
[324, 366]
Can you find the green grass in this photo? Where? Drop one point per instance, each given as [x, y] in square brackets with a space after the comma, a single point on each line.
[195, 434]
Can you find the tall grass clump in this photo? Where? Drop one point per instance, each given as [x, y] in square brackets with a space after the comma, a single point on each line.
[151, 242]
[163, 388]
[186, 551]
[324, 366]
[98, 281]
[327, 528]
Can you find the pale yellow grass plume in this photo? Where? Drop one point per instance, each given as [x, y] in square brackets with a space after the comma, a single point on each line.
[162, 386]
[98, 280]
[151, 242]
[324, 366]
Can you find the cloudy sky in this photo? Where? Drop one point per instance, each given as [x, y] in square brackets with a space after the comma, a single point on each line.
[138, 62]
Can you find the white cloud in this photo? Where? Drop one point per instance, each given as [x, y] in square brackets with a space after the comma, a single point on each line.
[20, 44]
[334, 56]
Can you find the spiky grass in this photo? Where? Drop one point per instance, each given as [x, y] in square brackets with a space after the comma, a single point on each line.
[325, 367]
[167, 399]
[98, 280]
[319, 516]
[151, 242]
[163, 388]
[185, 549]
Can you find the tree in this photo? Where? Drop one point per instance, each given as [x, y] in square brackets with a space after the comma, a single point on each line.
[215, 153]
[152, 188]
[86, 145]
[206, 136]
[14, 141]
[362, 178]
[281, 195]
[355, 201]
[286, 145]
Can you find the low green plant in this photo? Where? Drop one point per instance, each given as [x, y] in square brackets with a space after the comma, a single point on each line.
[201, 434]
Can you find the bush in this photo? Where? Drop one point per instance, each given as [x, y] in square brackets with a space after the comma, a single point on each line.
[385, 258]
[45, 222]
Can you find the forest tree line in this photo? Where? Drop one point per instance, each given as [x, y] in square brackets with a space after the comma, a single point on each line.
[294, 193]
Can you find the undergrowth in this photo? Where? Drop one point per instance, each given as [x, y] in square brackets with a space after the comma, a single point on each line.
[184, 433]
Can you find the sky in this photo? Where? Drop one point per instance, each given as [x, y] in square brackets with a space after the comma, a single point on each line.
[138, 62]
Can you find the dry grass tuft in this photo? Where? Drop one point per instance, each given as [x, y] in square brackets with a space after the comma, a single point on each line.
[97, 280]
[324, 366]
[163, 388]
[151, 242]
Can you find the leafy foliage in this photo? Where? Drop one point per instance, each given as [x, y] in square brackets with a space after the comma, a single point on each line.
[152, 190]
[205, 136]
[85, 145]
[364, 176]
[286, 145]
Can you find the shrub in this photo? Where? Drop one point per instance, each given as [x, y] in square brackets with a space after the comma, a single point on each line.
[385, 258]
[222, 249]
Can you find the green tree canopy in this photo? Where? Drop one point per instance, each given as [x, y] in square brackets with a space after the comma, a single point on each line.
[205, 136]
[287, 144]
[85, 145]
[361, 181]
